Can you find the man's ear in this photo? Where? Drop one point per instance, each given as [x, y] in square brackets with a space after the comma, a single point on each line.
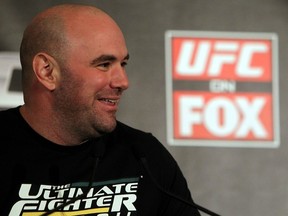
[46, 70]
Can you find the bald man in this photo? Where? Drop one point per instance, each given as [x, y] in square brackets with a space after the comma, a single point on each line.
[63, 150]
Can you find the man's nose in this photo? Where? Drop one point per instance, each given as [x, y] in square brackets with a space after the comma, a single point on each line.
[119, 79]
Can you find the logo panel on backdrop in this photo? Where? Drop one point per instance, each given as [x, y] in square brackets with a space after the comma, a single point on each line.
[10, 80]
[222, 89]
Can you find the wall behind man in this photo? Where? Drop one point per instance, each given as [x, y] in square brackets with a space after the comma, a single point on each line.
[230, 181]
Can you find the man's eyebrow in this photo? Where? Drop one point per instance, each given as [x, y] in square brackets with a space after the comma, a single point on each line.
[103, 58]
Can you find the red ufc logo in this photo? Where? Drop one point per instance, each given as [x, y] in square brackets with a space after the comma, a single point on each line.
[208, 58]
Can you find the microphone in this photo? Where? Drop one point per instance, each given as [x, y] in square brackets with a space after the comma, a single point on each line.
[140, 156]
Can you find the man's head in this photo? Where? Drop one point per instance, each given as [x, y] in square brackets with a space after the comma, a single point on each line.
[74, 57]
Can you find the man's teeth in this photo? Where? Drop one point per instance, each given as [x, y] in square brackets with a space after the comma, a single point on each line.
[109, 100]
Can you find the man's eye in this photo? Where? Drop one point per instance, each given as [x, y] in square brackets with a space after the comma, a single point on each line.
[123, 64]
[104, 65]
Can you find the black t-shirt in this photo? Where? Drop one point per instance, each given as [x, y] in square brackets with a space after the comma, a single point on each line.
[38, 175]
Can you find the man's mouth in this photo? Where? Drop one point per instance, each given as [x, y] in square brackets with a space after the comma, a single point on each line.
[109, 101]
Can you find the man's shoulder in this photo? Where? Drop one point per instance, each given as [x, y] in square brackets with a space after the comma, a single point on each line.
[123, 129]
[129, 129]
[146, 145]
[10, 122]
[8, 111]
[140, 141]
[9, 126]
[8, 115]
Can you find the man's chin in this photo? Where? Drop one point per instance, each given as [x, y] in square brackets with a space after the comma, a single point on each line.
[107, 128]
